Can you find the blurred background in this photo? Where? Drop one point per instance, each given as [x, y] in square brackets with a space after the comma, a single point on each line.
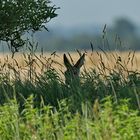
[107, 24]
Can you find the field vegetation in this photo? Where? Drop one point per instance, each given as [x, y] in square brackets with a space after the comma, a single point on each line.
[36, 104]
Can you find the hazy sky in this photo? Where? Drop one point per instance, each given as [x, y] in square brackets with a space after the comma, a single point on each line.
[88, 12]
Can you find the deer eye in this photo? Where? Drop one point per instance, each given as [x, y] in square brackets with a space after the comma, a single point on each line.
[75, 72]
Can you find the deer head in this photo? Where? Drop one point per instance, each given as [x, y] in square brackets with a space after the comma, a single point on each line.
[73, 71]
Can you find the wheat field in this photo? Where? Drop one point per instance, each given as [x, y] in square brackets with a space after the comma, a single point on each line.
[129, 61]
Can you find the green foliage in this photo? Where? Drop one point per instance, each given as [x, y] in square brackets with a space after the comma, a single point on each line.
[17, 17]
[102, 121]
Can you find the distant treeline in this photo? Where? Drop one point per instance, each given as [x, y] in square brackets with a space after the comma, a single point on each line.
[122, 35]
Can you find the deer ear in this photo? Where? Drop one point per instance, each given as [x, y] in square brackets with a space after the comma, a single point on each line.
[66, 62]
[80, 62]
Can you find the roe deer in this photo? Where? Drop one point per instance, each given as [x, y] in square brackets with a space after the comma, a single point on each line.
[72, 72]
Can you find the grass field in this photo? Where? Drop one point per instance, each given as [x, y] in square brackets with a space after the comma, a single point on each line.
[36, 104]
[129, 60]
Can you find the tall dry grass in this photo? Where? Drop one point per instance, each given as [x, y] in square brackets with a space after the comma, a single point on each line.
[24, 63]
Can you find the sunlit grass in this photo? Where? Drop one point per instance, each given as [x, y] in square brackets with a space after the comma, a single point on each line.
[36, 103]
[93, 60]
[104, 121]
